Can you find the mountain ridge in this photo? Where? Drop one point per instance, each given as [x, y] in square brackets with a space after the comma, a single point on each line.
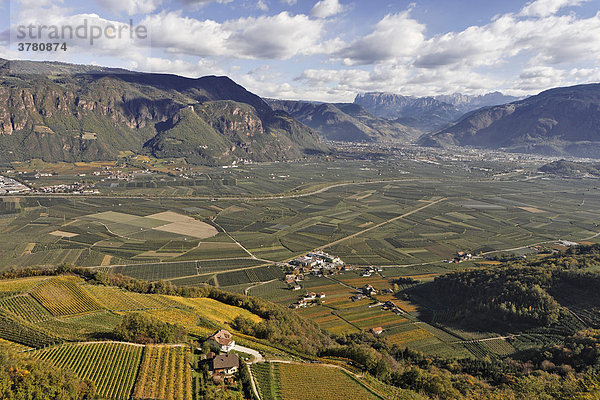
[429, 113]
[558, 121]
[65, 112]
[346, 122]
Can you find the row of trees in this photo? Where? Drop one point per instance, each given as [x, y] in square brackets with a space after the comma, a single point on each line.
[139, 328]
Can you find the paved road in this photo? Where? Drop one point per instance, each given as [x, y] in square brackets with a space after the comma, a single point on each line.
[257, 357]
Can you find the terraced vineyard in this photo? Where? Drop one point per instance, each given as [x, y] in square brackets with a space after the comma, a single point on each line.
[111, 366]
[26, 307]
[20, 332]
[215, 310]
[83, 327]
[64, 296]
[302, 382]
[116, 299]
[266, 376]
[11, 287]
[165, 373]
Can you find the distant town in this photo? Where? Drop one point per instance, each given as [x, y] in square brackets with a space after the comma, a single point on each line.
[11, 186]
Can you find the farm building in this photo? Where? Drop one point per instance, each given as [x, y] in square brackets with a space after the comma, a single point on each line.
[224, 339]
[377, 331]
[223, 366]
[358, 296]
[369, 290]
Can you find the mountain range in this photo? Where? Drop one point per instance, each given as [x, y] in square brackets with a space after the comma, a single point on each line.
[64, 112]
[428, 114]
[345, 122]
[559, 121]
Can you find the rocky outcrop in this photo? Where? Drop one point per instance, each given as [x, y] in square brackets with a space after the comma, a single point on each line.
[55, 112]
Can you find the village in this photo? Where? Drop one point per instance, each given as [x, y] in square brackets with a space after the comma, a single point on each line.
[11, 186]
[319, 263]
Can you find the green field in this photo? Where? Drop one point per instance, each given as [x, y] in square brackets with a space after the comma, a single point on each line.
[279, 381]
[112, 367]
[476, 212]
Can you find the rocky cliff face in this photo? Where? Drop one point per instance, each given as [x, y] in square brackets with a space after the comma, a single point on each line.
[56, 113]
[558, 121]
[427, 114]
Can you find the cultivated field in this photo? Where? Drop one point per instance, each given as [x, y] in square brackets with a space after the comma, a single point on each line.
[165, 373]
[112, 367]
[64, 296]
[283, 381]
[59, 309]
[404, 215]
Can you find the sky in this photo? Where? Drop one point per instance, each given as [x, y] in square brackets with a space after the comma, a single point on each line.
[325, 50]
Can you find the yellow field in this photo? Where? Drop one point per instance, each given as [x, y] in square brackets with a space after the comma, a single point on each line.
[197, 229]
[106, 260]
[186, 319]
[64, 296]
[214, 310]
[20, 285]
[184, 225]
[63, 234]
[409, 336]
[28, 249]
[165, 373]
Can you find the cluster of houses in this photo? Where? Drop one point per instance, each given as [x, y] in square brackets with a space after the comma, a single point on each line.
[364, 292]
[10, 186]
[120, 175]
[461, 256]
[309, 299]
[75, 188]
[316, 263]
[223, 365]
[368, 271]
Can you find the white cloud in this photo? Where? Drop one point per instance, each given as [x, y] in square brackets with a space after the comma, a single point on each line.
[549, 40]
[540, 77]
[326, 8]
[130, 6]
[395, 36]
[545, 8]
[261, 5]
[189, 69]
[279, 36]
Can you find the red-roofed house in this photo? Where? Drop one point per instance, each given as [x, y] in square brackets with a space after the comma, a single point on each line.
[224, 339]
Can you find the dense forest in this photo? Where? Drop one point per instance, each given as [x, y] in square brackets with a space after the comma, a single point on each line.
[517, 294]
